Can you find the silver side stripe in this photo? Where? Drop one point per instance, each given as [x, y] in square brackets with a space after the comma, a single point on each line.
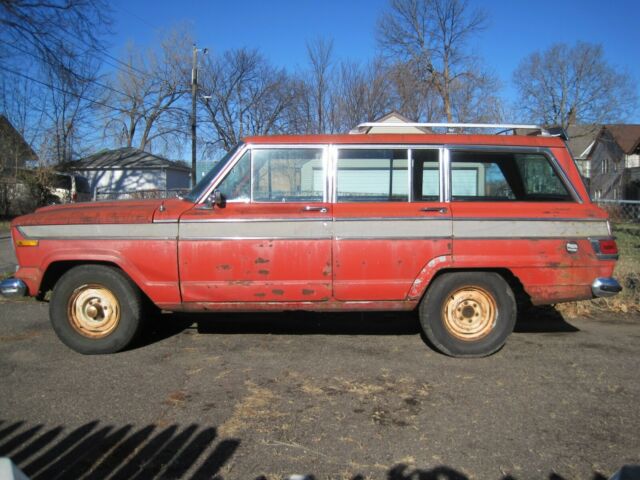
[355, 229]
[151, 231]
[277, 229]
[527, 229]
[345, 229]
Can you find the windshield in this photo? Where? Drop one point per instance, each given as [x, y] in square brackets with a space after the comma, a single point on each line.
[204, 183]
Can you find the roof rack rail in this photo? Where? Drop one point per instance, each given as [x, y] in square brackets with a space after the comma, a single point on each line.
[503, 127]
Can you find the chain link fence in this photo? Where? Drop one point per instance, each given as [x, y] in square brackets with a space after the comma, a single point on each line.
[101, 195]
[625, 225]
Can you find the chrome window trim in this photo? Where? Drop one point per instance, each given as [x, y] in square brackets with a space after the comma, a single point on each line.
[555, 165]
[410, 174]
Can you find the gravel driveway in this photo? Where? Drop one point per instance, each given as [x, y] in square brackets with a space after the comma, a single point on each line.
[348, 396]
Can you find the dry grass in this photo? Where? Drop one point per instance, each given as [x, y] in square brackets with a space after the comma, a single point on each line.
[627, 272]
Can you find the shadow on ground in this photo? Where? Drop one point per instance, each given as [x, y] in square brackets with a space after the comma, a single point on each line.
[97, 452]
[93, 451]
[532, 320]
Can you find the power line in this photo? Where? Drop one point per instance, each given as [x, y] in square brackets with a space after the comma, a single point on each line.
[62, 90]
[90, 80]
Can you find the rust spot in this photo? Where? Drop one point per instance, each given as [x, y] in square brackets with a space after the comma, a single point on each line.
[224, 266]
[260, 294]
[263, 272]
[261, 260]
[306, 291]
[277, 291]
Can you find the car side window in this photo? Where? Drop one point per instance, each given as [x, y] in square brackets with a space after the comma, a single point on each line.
[372, 175]
[236, 186]
[288, 175]
[426, 175]
[504, 176]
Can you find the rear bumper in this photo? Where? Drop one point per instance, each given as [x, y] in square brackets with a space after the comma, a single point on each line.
[13, 287]
[605, 287]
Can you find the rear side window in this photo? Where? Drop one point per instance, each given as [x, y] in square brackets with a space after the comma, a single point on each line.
[372, 175]
[503, 176]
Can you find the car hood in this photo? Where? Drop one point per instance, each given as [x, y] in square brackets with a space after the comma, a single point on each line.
[117, 212]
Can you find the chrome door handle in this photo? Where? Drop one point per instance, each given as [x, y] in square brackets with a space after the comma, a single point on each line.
[434, 209]
[309, 208]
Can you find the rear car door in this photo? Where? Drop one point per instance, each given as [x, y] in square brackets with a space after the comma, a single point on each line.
[388, 224]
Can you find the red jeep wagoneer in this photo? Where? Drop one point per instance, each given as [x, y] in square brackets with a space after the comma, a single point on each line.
[455, 226]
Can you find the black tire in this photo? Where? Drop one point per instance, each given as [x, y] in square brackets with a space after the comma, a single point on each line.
[468, 314]
[96, 309]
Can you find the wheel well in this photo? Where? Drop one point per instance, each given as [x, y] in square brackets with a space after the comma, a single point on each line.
[523, 299]
[56, 269]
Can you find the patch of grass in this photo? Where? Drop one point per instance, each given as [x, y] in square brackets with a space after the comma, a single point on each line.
[5, 226]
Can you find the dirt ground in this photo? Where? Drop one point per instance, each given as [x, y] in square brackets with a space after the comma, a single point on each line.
[348, 396]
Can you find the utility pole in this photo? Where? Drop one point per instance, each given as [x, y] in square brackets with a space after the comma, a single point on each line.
[194, 91]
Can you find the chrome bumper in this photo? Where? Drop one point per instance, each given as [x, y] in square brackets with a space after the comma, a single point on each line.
[605, 287]
[13, 287]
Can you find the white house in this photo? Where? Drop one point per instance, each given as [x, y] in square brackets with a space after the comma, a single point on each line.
[121, 172]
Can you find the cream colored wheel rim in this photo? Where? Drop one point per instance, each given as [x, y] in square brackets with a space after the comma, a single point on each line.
[93, 311]
[469, 313]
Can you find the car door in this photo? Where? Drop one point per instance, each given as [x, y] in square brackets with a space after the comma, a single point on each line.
[271, 241]
[388, 224]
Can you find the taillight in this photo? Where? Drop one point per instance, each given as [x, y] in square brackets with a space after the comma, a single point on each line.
[74, 197]
[608, 246]
[605, 248]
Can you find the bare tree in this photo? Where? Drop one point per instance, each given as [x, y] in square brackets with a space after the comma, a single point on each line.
[566, 85]
[147, 93]
[363, 93]
[242, 94]
[55, 32]
[430, 40]
[320, 52]
[69, 109]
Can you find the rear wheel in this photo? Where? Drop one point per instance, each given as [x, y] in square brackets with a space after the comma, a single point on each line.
[95, 309]
[468, 314]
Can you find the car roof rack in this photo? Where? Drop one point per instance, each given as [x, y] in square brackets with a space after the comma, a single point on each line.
[540, 130]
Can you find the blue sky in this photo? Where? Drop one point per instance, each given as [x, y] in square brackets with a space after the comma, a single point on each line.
[279, 29]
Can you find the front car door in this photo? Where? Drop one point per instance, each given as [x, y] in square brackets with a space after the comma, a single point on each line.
[271, 242]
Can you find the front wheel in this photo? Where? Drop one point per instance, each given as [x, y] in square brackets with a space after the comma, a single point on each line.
[95, 309]
[468, 314]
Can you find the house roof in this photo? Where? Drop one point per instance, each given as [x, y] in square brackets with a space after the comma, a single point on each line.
[581, 139]
[626, 136]
[125, 158]
[16, 141]
[392, 117]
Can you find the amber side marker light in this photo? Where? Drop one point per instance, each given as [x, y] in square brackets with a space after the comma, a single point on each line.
[26, 243]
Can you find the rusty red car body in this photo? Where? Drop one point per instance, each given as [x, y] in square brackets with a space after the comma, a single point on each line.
[325, 253]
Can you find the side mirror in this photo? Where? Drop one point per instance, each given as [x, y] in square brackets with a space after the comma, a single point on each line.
[218, 199]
